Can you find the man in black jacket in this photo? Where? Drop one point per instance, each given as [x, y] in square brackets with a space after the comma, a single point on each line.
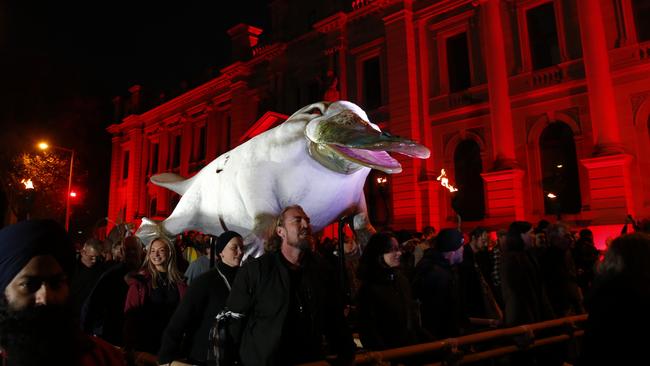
[289, 302]
[436, 285]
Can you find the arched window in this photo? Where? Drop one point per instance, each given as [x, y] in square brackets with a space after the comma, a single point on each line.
[559, 170]
[469, 201]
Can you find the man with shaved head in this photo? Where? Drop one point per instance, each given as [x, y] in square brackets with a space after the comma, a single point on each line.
[37, 325]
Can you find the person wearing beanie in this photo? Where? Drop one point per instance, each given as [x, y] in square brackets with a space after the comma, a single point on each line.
[37, 323]
[436, 285]
[205, 298]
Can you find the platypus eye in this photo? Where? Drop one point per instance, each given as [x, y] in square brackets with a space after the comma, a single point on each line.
[315, 110]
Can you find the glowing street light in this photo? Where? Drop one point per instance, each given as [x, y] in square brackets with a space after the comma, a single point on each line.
[559, 166]
[44, 146]
[73, 194]
[551, 195]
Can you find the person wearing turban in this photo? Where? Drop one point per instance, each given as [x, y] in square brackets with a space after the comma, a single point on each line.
[37, 324]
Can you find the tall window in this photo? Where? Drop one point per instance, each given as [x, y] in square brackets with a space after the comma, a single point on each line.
[641, 10]
[155, 150]
[469, 201]
[372, 83]
[559, 170]
[458, 62]
[152, 207]
[176, 159]
[125, 165]
[173, 201]
[542, 36]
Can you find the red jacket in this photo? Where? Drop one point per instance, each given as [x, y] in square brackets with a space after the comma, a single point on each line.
[140, 290]
[141, 331]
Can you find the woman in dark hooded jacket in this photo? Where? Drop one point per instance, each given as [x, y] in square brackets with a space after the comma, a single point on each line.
[387, 316]
[187, 334]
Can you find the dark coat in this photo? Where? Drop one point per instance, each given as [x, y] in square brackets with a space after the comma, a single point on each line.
[618, 315]
[387, 317]
[261, 292]
[523, 289]
[470, 271]
[145, 321]
[436, 286]
[559, 274]
[82, 283]
[103, 311]
[195, 315]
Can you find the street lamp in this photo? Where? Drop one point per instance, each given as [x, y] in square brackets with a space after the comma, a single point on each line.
[44, 146]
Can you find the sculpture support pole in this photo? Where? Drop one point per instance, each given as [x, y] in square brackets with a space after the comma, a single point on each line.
[345, 289]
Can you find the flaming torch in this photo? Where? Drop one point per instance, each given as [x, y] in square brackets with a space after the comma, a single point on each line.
[28, 196]
[444, 181]
[28, 183]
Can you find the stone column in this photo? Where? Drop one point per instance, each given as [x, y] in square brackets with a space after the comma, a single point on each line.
[144, 161]
[404, 114]
[163, 194]
[504, 183]
[610, 193]
[135, 178]
[602, 104]
[503, 143]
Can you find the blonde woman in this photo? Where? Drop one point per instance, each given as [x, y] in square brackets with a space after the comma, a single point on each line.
[154, 293]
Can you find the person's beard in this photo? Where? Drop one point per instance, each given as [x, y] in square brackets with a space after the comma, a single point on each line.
[39, 335]
[305, 240]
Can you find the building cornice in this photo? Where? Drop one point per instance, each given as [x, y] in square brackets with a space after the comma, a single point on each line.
[191, 98]
[441, 7]
[331, 23]
[266, 53]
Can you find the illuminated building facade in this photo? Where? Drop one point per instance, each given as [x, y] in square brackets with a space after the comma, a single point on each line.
[536, 108]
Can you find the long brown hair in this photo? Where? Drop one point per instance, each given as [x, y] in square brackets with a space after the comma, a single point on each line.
[173, 274]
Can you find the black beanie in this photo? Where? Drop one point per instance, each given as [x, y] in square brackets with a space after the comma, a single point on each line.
[449, 240]
[21, 242]
[223, 240]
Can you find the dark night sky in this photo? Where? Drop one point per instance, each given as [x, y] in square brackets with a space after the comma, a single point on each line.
[62, 62]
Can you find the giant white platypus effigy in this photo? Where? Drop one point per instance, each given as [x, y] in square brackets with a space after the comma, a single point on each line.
[318, 158]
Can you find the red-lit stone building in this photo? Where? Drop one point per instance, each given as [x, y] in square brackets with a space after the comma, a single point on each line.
[518, 100]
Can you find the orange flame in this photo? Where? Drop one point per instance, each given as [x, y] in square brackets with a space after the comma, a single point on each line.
[28, 183]
[444, 181]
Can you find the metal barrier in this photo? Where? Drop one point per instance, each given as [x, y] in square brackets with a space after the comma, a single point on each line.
[452, 345]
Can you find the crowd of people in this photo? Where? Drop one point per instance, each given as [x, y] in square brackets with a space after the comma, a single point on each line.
[191, 300]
